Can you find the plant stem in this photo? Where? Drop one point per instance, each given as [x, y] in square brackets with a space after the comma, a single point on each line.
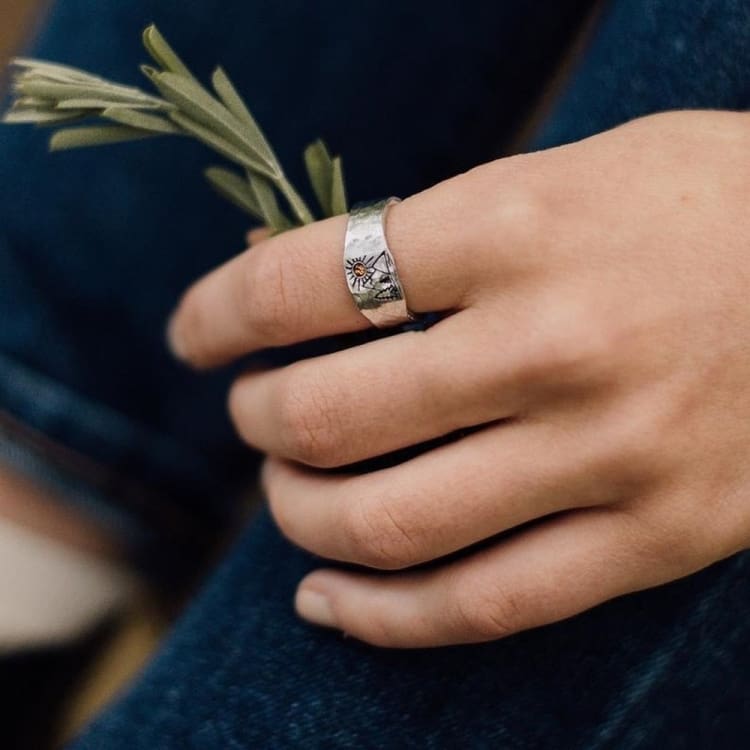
[295, 201]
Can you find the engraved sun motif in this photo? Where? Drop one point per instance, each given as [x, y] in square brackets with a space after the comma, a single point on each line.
[360, 272]
[373, 276]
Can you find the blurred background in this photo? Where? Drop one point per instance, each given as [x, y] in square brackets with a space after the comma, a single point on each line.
[92, 671]
[17, 18]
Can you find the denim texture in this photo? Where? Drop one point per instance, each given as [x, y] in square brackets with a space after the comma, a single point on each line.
[666, 668]
[654, 55]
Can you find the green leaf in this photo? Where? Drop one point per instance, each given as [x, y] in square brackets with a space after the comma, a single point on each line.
[53, 71]
[34, 102]
[234, 103]
[140, 120]
[339, 203]
[47, 93]
[295, 201]
[266, 198]
[97, 135]
[39, 116]
[231, 98]
[43, 88]
[193, 100]
[156, 45]
[235, 189]
[217, 143]
[105, 104]
[327, 178]
[320, 171]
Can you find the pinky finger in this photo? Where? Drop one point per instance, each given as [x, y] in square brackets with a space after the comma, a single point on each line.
[554, 571]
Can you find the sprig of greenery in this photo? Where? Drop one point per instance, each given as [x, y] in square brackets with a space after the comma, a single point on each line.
[51, 94]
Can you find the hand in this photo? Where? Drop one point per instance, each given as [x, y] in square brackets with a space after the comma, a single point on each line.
[600, 335]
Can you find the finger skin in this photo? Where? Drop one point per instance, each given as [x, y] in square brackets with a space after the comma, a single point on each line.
[385, 395]
[292, 287]
[257, 235]
[554, 571]
[439, 502]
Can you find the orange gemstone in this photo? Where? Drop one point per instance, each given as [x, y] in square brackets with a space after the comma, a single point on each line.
[359, 270]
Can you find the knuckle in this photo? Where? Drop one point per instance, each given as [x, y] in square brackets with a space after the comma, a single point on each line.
[524, 216]
[634, 446]
[584, 348]
[525, 210]
[378, 538]
[661, 533]
[625, 456]
[307, 428]
[644, 434]
[269, 306]
[487, 611]
[572, 349]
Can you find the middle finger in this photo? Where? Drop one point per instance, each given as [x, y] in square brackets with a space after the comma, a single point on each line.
[387, 394]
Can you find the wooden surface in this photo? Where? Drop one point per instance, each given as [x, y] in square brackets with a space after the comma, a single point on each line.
[17, 19]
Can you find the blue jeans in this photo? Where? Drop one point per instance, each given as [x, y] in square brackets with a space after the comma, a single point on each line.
[88, 289]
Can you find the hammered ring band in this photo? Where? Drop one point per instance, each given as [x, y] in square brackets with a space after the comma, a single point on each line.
[371, 273]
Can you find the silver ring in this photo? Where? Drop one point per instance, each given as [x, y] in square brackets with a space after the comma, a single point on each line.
[370, 268]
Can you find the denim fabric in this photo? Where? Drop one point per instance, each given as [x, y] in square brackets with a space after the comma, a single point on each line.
[96, 246]
[654, 55]
[667, 668]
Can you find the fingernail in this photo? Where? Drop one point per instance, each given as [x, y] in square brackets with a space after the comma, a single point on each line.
[174, 342]
[315, 608]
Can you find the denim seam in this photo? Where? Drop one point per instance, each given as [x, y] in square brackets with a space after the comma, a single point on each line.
[56, 400]
[145, 514]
